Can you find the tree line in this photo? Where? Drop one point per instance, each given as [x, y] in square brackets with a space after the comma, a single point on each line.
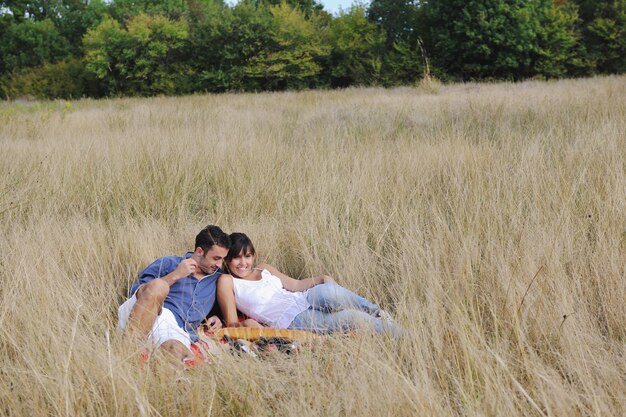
[93, 48]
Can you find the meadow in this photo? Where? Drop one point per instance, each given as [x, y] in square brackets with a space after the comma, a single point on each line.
[490, 219]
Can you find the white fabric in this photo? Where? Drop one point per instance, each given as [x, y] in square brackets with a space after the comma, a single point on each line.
[165, 326]
[267, 302]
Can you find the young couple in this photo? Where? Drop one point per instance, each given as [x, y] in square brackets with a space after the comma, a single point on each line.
[174, 295]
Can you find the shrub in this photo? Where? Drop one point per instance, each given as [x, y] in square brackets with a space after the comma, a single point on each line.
[66, 79]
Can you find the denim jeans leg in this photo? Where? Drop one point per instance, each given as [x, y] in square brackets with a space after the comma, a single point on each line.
[333, 297]
[342, 321]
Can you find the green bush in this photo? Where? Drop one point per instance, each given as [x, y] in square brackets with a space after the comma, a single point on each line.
[66, 79]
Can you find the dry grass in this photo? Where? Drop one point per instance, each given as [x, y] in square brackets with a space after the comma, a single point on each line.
[489, 218]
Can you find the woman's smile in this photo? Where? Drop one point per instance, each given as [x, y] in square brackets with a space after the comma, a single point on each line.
[242, 270]
[241, 265]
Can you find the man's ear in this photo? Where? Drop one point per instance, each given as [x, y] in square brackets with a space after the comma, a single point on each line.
[199, 251]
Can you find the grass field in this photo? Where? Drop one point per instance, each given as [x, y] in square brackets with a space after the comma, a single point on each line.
[490, 219]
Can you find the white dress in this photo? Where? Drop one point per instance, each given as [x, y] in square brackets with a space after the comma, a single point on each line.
[267, 301]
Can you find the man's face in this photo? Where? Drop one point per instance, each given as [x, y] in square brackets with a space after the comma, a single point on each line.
[211, 259]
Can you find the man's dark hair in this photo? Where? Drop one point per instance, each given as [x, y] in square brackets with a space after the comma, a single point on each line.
[212, 235]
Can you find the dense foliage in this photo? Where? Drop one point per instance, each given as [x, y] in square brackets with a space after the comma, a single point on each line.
[73, 48]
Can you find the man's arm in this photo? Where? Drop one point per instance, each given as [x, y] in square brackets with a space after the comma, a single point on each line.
[154, 271]
[184, 269]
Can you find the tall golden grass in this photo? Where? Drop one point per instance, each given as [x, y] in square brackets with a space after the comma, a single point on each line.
[490, 219]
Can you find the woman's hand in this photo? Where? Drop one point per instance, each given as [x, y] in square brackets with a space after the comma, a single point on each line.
[326, 279]
[214, 323]
[251, 323]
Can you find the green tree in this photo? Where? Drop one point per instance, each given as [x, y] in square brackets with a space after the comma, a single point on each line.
[201, 12]
[357, 47]
[397, 18]
[588, 10]
[255, 46]
[308, 7]
[292, 57]
[483, 38]
[603, 33]
[402, 64]
[606, 37]
[6, 21]
[122, 10]
[560, 52]
[223, 39]
[36, 10]
[141, 59]
[76, 16]
[29, 44]
[72, 18]
[400, 20]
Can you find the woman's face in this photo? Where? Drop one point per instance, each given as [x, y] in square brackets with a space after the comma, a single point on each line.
[241, 265]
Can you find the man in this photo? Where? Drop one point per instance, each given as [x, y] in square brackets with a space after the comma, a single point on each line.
[173, 295]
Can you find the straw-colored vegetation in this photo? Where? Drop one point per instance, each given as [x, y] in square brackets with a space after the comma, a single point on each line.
[489, 218]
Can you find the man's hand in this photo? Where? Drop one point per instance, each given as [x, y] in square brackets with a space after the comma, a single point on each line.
[185, 268]
[214, 323]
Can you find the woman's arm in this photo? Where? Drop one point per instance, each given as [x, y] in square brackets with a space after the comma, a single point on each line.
[296, 285]
[226, 300]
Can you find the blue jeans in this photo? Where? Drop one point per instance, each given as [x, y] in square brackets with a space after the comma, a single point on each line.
[335, 308]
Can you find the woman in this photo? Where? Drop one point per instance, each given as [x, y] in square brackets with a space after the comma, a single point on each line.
[270, 297]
